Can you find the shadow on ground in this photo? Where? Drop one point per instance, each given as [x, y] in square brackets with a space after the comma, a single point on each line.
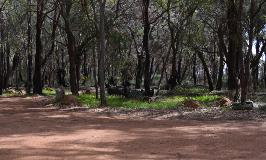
[28, 132]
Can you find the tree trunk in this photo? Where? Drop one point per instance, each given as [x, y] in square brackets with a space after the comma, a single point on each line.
[265, 70]
[179, 69]
[72, 61]
[165, 60]
[214, 66]
[219, 84]
[146, 24]
[172, 82]
[29, 52]
[233, 57]
[8, 67]
[1, 52]
[139, 73]
[1, 67]
[194, 72]
[78, 66]
[53, 36]
[85, 68]
[255, 77]
[37, 78]
[245, 60]
[222, 53]
[206, 70]
[71, 46]
[95, 72]
[102, 53]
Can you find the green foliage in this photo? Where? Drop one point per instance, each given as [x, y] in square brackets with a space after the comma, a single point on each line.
[48, 91]
[164, 103]
[206, 98]
[89, 100]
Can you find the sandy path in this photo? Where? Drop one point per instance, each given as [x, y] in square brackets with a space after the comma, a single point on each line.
[30, 133]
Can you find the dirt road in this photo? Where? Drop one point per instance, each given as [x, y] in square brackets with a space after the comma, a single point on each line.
[28, 132]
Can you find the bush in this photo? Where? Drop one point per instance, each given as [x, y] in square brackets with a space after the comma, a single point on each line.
[13, 92]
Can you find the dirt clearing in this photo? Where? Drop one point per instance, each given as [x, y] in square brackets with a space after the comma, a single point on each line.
[29, 132]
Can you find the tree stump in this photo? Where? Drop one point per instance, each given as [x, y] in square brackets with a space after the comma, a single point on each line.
[59, 94]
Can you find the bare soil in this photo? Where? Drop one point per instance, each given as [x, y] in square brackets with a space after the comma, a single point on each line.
[28, 131]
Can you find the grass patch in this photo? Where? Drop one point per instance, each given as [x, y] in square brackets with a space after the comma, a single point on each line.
[206, 98]
[48, 91]
[164, 103]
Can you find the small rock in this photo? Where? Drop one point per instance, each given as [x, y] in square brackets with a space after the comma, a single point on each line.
[60, 93]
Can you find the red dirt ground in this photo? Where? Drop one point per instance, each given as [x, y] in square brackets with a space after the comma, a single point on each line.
[28, 132]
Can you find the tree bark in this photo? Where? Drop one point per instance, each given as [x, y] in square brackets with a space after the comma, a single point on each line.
[29, 52]
[1, 52]
[245, 60]
[1, 68]
[95, 72]
[206, 70]
[194, 72]
[219, 84]
[146, 24]
[37, 78]
[139, 73]
[102, 53]
[232, 56]
[235, 54]
[173, 77]
[265, 70]
[71, 46]
[8, 67]
[222, 53]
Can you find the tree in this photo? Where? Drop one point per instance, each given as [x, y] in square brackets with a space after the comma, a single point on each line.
[102, 53]
[29, 50]
[66, 6]
[37, 78]
[146, 31]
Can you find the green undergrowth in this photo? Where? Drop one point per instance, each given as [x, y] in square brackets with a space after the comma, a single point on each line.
[48, 91]
[163, 103]
[51, 91]
[12, 93]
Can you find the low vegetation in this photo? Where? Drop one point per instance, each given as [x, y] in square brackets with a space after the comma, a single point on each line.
[171, 102]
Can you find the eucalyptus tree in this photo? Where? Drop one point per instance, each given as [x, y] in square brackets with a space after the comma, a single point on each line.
[1, 46]
[29, 47]
[37, 78]
[65, 10]
[102, 52]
